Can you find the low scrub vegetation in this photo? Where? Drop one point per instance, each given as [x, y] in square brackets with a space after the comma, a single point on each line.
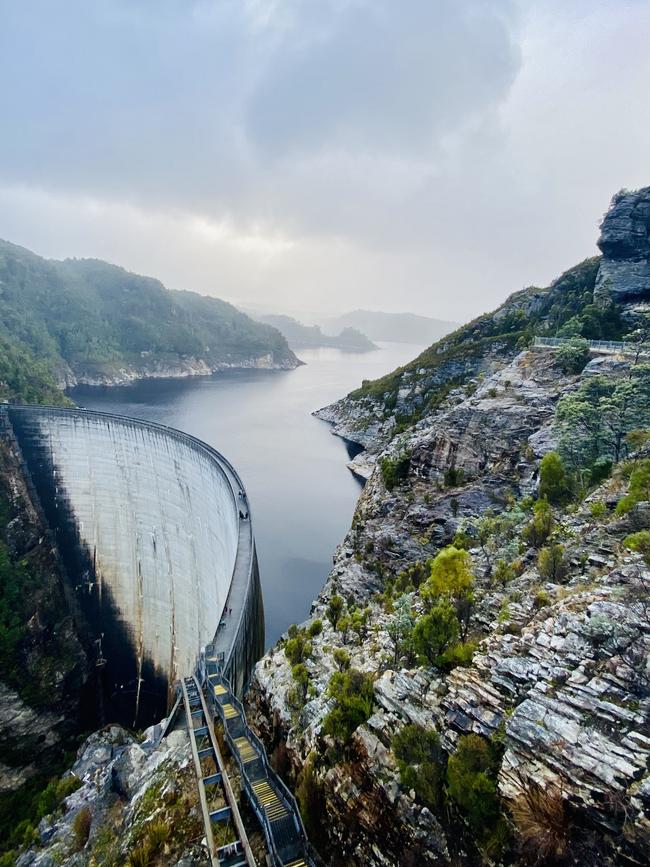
[81, 827]
[420, 760]
[394, 470]
[352, 692]
[541, 818]
[639, 542]
[639, 486]
[472, 786]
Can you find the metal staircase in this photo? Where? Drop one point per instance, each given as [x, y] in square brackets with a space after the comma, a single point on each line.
[271, 801]
[218, 803]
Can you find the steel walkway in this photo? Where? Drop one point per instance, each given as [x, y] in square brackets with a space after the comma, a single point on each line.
[218, 803]
[271, 801]
[599, 347]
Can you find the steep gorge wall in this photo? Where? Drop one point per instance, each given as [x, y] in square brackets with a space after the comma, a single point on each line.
[147, 523]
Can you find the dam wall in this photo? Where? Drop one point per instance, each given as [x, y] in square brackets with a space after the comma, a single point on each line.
[159, 557]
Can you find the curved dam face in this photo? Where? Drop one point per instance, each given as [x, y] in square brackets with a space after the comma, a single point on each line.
[154, 532]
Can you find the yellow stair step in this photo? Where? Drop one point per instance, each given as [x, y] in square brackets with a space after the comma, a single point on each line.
[229, 711]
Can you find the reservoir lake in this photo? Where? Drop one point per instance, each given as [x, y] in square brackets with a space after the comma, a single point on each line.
[302, 495]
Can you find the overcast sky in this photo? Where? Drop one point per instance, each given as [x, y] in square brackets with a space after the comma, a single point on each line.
[321, 155]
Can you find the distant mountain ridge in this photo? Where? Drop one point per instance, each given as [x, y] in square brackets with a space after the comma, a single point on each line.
[302, 336]
[395, 327]
[96, 323]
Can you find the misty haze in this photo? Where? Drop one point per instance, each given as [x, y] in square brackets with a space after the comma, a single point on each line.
[324, 433]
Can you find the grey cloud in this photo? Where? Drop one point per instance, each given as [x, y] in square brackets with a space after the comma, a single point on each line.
[157, 102]
[429, 153]
[385, 76]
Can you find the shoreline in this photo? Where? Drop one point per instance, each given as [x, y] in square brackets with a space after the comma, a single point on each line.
[128, 374]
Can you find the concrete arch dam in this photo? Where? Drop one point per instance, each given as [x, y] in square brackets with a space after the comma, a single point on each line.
[154, 532]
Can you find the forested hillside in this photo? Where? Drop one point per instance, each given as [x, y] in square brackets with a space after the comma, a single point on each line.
[24, 379]
[87, 319]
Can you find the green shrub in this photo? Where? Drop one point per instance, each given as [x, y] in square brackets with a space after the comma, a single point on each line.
[81, 827]
[597, 509]
[436, 631]
[420, 762]
[298, 649]
[297, 695]
[541, 526]
[22, 809]
[24, 834]
[341, 658]
[639, 542]
[458, 655]
[463, 540]
[353, 693]
[601, 469]
[472, 785]
[413, 576]
[315, 628]
[454, 477]
[343, 626]
[335, 609]
[53, 795]
[394, 470]
[551, 563]
[301, 676]
[553, 480]
[503, 572]
[451, 574]
[541, 599]
[639, 487]
[573, 356]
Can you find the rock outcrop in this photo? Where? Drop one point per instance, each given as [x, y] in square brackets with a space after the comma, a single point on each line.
[625, 244]
[124, 792]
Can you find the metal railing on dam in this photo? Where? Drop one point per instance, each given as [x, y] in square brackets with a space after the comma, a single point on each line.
[155, 534]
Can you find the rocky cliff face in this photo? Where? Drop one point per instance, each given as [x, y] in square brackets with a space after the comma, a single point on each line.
[558, 684]
[558, 679]
[44, 666]
[128, 799]
[625, 244]
[374, 413]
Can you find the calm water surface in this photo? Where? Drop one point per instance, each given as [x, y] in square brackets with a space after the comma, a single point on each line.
[301, 493]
